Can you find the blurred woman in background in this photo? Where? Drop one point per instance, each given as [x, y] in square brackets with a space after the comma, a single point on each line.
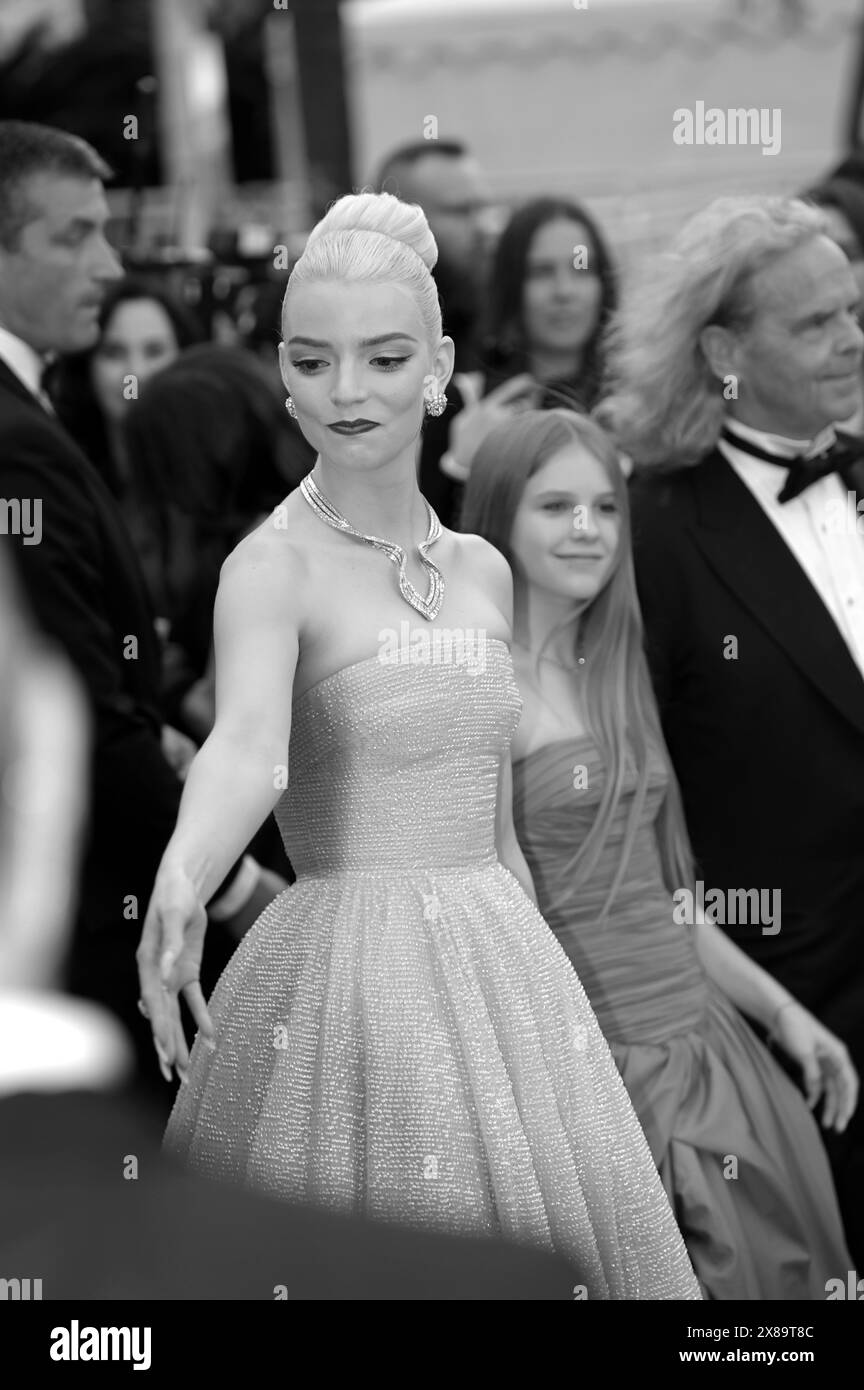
[551, 293]
[598, 814]
[213, 452]
[142, 330]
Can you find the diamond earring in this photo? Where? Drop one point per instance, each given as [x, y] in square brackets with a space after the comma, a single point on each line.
[436, 401]
[291, 408]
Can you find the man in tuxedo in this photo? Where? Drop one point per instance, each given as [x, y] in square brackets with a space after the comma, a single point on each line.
[79, 575]
[732, 366]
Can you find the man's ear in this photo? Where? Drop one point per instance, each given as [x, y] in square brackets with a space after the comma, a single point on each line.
[719, 346]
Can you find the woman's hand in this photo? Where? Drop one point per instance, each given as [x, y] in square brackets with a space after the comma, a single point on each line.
[169, 961]
[471, 426]
[824, 1060]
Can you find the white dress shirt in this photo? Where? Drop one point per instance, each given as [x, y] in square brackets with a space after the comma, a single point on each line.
[27, 364]
[820, 525]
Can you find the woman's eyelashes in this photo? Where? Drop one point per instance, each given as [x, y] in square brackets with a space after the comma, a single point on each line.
[390, 364]
[308, 365]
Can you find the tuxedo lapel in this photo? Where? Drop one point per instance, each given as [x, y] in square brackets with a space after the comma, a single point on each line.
[751, 558]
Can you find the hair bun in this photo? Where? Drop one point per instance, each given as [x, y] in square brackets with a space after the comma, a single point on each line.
[382, 213]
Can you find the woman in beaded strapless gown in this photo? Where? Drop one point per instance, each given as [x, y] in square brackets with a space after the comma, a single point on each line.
[400, 1034]
[598, 817]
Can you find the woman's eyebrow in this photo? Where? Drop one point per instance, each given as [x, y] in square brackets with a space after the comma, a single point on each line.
[364, 342]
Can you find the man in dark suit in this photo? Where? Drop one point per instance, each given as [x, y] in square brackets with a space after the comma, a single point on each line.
[732, 368]
[77, 568]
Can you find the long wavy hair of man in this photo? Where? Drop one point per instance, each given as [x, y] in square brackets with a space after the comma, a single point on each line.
[662, 402]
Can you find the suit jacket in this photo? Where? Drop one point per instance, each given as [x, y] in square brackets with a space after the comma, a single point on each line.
[90, 1206]
[85, 590]
[763, 711]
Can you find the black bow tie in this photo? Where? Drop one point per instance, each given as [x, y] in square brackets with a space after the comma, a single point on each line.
[839, 457]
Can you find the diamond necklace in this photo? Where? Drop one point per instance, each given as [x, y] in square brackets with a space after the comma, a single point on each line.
[429, 607]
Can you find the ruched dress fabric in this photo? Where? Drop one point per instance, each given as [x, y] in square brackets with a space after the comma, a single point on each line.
[739, 1153]
[399, 1035]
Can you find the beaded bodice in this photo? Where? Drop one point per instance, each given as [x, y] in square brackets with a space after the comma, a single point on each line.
[373, 784]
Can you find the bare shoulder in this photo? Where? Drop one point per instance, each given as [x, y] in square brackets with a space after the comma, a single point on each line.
[270, 566]
[486, 561]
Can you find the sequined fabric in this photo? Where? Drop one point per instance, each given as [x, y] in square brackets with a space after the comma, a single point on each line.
[400, 1034]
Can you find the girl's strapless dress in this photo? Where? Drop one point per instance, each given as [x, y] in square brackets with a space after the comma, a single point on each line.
[739, 1152]
[399, 1034]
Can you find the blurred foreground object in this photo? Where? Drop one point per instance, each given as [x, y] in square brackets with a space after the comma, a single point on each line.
[47, 1040]
[44, 743]
[89, 1205]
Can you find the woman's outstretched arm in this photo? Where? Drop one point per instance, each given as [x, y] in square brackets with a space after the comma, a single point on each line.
[233, 782]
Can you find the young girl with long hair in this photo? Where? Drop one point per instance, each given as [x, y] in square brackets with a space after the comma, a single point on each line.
[599, 818]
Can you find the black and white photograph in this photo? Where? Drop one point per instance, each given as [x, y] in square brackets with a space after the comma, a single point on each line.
[432, 665]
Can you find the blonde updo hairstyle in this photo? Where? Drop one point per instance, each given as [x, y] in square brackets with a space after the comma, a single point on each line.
[374, 238]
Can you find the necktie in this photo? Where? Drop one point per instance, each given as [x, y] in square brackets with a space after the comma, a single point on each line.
[840, 457]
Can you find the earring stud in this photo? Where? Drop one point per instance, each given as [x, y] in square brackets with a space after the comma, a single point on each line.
[291, 408]
[435, 400]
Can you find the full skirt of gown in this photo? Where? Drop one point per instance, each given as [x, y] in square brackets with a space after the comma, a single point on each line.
[399, 1035]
